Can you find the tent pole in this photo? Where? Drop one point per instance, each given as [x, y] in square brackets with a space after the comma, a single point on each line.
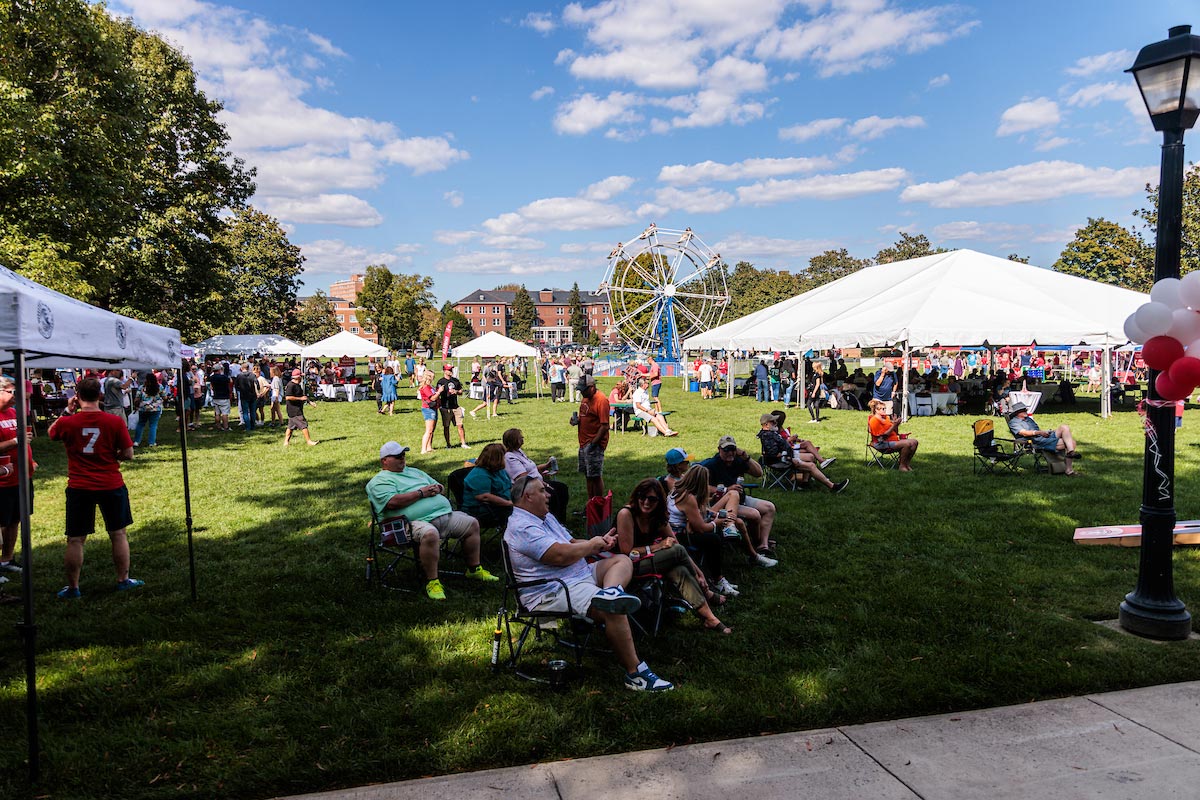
[904, 385]
[1105, 379]
[26, 627]
[802, 391]
[187, 489]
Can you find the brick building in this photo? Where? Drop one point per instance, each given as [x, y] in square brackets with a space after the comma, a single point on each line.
[343, 296]
[491, 310]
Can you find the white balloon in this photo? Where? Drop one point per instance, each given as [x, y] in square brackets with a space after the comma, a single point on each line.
[1135, 334]
[1194, 348]
[1166, 291]
[1185, 325]
[1154, 319]
[1189, 290]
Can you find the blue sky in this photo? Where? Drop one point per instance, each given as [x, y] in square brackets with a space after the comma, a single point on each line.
[482, 143]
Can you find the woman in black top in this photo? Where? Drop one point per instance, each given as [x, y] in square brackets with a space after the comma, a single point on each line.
[643, 535]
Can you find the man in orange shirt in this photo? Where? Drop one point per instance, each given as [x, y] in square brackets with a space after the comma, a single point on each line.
[593, 435]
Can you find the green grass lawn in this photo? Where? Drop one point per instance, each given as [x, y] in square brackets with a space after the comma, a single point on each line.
[909, 594]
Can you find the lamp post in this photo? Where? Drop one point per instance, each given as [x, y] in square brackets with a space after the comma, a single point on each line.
[1168, 76]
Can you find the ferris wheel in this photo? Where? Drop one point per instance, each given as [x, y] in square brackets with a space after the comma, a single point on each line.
[662, 287]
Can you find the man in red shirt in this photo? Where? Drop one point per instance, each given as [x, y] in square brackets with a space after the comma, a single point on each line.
[96, 442]
[593, 435]
[10, 500]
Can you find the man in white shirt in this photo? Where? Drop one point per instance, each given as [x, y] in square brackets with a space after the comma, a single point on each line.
[645, 412]
[706, 379]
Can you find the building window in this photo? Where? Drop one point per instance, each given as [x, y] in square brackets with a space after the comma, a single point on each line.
[354, 330]
[495, 309]
[495, 322]
[559, 311]
[467, 310]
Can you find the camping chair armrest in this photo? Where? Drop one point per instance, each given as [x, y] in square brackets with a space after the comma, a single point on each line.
[519, 585]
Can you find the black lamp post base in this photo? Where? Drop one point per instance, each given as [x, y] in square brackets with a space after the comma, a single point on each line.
[1170, 622]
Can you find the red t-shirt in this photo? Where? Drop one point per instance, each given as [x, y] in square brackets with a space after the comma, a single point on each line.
[8, 430]
[93, 439]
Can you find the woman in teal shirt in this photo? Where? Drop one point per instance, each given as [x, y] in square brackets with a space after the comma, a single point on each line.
[487, 489]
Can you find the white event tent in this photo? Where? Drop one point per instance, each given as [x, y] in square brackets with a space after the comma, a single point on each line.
[344, 343]
[961, 298]
[40, 327]
[268, 344]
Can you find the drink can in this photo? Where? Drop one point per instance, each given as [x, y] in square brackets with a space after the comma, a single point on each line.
[553, 465]
[721, 488]
[741, 481]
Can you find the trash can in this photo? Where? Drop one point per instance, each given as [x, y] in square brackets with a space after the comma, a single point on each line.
[693, 386]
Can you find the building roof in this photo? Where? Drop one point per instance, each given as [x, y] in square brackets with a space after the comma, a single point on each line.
[560, 297]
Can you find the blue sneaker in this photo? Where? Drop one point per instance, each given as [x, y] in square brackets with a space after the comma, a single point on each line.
[129, 583]
[614, 601]
[647, 681]
[69, 593]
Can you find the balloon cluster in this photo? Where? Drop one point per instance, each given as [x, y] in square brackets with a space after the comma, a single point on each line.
[1168, 329]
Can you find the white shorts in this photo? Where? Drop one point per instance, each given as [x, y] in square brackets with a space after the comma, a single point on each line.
[581, 597]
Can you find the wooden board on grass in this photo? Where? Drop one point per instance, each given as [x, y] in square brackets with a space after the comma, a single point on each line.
[1186, 532]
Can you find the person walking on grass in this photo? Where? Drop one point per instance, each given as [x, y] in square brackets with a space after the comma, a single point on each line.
[10, 500]
[221, 385]
[149, 411]
[593, 423]
[95, 442]
[448, 408]
[294, 398]
[276, 395]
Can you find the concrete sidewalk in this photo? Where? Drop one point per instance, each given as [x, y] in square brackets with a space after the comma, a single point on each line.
[1140, 743]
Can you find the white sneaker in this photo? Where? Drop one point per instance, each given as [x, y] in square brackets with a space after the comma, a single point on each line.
[763, 561]
[731, 531]
[827, 462]
[727, 588]
[473, 415]
[466, 447]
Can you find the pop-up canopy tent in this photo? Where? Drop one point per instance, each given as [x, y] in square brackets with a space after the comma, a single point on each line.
[42, 328]
[957, 298]
[497, 344]
[268, 344]
[493, 344]
[344, 343]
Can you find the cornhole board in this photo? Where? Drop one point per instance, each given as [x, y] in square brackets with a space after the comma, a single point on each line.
[1186, 532]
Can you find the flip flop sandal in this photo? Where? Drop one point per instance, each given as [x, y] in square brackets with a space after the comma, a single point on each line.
[720, 628]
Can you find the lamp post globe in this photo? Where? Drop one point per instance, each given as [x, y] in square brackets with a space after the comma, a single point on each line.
[1168, 77]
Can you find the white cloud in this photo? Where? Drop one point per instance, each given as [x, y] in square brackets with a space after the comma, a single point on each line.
[1124, 92]
[1113, 61]
[651, 210]
[326, 209]
[309, 159]
[736, 75]
[608, 188]
[540, 21]
[673, 66]
[337, 256]
[822, 187]
[711, 107]
[506, 242]
[873, 127]
[454, 197]
[545, 91]
[742, 247]
[1027, 116]
[981, 231]
[455, 237]
[588, 112]
[587, 247]
[563, 213]
[1043, 180]
[704, 200]
[482, 262]
[862, 34]
[750, 169]
[810, 130]
[1051, 143]
[939, 81]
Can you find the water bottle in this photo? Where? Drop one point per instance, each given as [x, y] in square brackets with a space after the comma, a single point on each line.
[720, 489]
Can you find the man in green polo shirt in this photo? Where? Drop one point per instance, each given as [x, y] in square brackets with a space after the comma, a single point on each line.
[400, 490]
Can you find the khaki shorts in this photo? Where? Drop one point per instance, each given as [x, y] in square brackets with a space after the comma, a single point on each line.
[454, 525]
[581, 597]
[591, 461]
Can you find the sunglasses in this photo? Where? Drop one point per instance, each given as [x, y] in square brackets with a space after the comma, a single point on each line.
[648, 498]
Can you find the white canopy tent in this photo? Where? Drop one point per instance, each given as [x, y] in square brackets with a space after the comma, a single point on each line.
[344, 343]
[43, 328]
[268, 344]
[960, 298]
[493, 344]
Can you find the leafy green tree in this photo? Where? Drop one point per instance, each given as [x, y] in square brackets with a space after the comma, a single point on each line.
[524, 315]
[830, 266]
[462, 331]
[431, 328]
[375, 307]
[753, 289]
[393, 304]
[315, 320]
[507, 287]
[264, 271]
[412, 295]
[1104, 251]
[578, 320]
[593, 339]
[1189, 256]
[906, 247]
[1018, 258]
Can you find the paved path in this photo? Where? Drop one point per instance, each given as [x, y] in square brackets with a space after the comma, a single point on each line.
[1140, 743]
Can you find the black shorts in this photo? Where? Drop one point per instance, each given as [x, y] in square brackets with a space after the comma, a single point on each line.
[81, 510]
[298, 423]
[10, 505]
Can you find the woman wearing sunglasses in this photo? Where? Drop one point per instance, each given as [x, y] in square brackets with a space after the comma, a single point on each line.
[644, 536]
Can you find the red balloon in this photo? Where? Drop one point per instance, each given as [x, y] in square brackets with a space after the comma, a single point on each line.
[1168, 389]
[1185, 372]
[1160, 352]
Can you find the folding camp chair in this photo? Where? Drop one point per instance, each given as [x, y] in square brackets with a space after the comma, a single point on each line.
[924, 404]
[778, 476]
[880, 458]
[988, 454]
[389, 544]
[514, 613]
[456, 482]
